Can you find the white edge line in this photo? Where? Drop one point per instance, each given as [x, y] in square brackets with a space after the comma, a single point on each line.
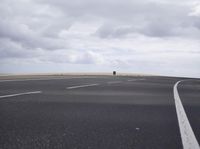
[25, 93]
[80, 86]
[189, 140]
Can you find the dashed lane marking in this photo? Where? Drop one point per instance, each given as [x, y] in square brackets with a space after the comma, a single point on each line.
[19, 94]
[81, 86]
[130, 80]
[114, 82]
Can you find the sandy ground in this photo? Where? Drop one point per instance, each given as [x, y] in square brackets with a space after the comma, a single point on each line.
[53, 75]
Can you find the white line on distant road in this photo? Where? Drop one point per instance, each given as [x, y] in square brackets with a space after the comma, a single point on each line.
[114, 82]
[189, 140]
[80, 86]
[26, 93]
[130, 80]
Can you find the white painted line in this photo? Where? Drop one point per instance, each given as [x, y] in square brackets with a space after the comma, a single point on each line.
[26, 93]
[189, 140]
[80, 86]
[130, 80]
[114, 82]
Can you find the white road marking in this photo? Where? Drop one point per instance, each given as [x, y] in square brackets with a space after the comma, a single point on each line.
[114, 82]
[80, 86]
[25, 93]
[130, 80]
[189, 140]
[137, 128]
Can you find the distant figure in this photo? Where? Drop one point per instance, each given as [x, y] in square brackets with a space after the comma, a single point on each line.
[114, 73]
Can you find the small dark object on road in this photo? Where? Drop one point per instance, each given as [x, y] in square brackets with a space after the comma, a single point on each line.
[114, 73]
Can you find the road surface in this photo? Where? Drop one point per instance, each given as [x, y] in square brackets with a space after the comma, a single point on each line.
[100, 112]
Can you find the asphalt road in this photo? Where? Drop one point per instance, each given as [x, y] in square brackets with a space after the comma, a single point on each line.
[97, 112]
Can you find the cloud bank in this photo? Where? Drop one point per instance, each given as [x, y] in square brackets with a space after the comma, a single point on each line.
[151, 36]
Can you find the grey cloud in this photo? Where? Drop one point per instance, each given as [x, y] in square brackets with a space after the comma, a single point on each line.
[153, 30]
[32, 25]
[10, 49]
[148, 18]
[111, 31]
[158, 29]
[22, 34]
[196, 23]
[81, 57]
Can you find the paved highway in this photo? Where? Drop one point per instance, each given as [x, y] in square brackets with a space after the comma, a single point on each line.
[100, 112]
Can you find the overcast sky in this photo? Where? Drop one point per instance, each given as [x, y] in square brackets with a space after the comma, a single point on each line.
[148, 36]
